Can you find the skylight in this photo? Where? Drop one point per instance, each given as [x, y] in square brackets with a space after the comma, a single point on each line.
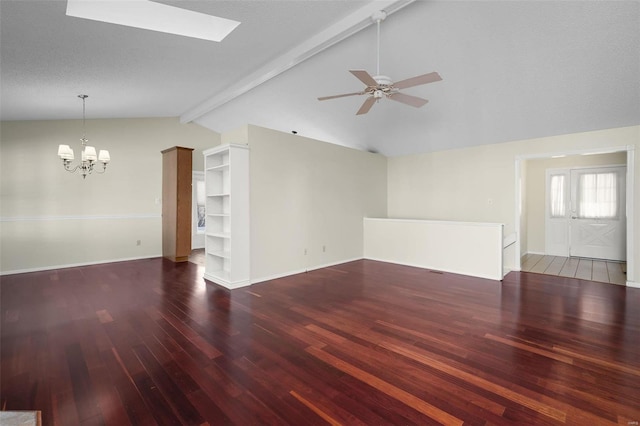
[153, 16]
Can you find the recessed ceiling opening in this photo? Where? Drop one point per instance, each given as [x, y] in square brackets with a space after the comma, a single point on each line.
[153, 16]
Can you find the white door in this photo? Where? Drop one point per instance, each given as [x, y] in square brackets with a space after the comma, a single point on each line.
[598, 213]
[557, 213]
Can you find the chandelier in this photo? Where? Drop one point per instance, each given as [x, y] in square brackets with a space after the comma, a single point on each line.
[88, 154]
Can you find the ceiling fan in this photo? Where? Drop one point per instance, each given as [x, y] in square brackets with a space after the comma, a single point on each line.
[381, 85]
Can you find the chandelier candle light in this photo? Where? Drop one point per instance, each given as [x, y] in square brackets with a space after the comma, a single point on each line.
[89, 157]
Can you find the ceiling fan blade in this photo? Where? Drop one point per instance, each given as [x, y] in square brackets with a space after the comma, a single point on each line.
[366, 106]
[364, 77]
[324, 98]
[416, 81]
[408, 99]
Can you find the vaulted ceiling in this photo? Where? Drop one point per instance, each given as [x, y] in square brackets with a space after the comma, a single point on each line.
[511, 69]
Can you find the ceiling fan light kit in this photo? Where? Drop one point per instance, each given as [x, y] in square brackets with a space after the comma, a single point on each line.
[379, 86]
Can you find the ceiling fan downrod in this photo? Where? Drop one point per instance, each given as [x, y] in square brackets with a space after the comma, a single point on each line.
[378, 17]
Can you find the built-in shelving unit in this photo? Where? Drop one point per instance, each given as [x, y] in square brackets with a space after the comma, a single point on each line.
[227, 215]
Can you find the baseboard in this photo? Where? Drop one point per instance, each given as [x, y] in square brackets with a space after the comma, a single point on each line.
[230, 285]
[75, 265]
[302, 271]
[505, 271]
[633, 284]
[328, 265]
[540, 253]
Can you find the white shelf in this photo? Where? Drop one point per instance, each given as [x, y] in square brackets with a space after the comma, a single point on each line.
[222, 254]
[220, 168]
[227, 215]
[219, 234]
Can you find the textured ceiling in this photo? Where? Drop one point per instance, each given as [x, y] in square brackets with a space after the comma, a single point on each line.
[512, 70]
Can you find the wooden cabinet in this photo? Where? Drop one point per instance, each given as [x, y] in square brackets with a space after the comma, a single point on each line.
[176, 203]
[227, 215]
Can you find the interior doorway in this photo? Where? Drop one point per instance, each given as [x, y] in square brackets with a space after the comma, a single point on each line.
[532, 211]
[585, 212]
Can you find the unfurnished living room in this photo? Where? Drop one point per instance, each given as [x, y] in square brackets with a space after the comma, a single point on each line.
[317, 212]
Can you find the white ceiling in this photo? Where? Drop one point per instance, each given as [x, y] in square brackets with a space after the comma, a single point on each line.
[512, 69]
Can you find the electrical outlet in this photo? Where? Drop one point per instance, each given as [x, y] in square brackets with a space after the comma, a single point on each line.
[305, 252]
[324, 248]
[138, 242]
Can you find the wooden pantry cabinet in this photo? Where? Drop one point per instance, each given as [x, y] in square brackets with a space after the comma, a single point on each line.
[177, 166]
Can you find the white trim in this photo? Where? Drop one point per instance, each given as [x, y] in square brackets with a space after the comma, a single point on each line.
[517, 264]
[629, 150]
[608, 150]
[222, 148]
[630, 213]
[339, 31]
[302, 271]
[536, 252]
[509, 240]
[197, 238]
[632, 284]
[79, 217]
[229, 285]
[75, 265]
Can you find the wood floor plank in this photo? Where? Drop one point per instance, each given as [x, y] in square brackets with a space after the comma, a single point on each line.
[150, 342]
[490, 386]
[83, 393]
[391, 390]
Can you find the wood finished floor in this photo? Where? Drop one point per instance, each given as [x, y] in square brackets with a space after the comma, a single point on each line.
[574, 267]
[364, 343]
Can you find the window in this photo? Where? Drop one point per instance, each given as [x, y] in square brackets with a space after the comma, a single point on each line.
[558, 196]
[598, 195]
[200, 203]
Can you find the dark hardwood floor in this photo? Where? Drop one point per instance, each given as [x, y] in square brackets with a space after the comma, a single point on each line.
[364, 343]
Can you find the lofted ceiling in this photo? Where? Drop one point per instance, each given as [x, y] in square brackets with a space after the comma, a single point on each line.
[511, 69]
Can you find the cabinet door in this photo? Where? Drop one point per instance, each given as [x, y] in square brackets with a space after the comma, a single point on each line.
[176, 203]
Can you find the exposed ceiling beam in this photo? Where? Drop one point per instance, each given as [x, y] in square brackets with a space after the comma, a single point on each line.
[341, 30]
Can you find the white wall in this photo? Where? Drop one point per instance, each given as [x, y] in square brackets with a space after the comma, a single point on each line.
[467, 248]
[306, 195]
[478, 184]
[536, 189]
[52, 218]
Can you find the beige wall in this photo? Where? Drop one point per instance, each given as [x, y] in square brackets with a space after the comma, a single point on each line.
[478, 183]
[306, 195]
[50, 217]
[535, 191]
